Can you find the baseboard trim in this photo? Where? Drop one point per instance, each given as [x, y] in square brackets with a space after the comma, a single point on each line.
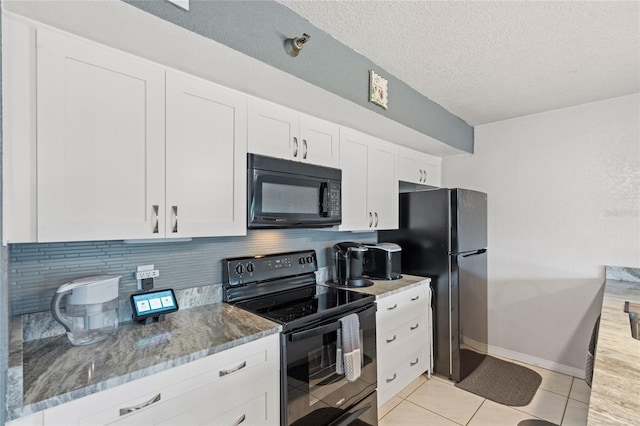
[525, 358]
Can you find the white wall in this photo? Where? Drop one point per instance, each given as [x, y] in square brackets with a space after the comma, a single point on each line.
[564, 200]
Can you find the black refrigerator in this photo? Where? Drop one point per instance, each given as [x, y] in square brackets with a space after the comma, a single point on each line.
[443, 235]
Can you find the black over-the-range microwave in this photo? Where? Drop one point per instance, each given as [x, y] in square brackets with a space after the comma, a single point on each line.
[292, 194]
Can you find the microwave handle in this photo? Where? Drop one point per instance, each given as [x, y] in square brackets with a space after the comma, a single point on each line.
[324, 199]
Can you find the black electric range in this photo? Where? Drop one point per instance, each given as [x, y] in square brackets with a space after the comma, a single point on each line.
[282, 287]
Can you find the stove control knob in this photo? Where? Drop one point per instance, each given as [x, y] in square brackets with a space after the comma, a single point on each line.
[239, 269]
[250, 267]
[310, 259]
[302, 260]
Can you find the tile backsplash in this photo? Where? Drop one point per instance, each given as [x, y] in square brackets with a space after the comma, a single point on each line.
[37, 270]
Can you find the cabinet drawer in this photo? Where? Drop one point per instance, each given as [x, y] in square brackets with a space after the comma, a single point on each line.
[394, 379]
[230, 368]
[251, 404]
[409, 335]
[398, 307]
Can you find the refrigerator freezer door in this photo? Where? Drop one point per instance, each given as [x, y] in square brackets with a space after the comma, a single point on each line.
[469, 220]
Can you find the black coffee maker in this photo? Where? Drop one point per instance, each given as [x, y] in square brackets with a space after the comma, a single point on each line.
[347, 264]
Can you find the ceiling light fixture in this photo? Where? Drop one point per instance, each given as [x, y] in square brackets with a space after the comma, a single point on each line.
[294, 45]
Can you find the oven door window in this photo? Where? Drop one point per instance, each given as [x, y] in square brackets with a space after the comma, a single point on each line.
[316, 393]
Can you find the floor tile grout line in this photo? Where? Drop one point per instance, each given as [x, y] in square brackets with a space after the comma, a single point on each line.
[566, 403]
[437, 414]
[476, 412]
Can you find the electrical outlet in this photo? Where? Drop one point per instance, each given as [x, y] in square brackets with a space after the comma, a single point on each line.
[147, 274]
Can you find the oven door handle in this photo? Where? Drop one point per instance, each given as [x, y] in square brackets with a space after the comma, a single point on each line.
[348, 418]
[317, 331]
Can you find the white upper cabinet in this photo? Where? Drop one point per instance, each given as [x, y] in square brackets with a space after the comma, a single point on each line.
[206, 158]
[280, 132]
[123, 149]
[418, 167]
[369, 182]
[100, 147]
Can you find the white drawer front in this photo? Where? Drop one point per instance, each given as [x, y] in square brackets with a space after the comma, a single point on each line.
[397, 308]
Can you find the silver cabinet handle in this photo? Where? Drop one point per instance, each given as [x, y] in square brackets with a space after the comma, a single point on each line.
[391, 308]
[304, 149]
[233, 370]
[240, 420]
[156, 213]
[376, 224]
[391, 340]
[416, 326]
[413, 363]
[295, 147]
[413, 299]
[392, 379]
[133, 408]
[425, 176]
[370, 219]
[421, 175]
[175, 215]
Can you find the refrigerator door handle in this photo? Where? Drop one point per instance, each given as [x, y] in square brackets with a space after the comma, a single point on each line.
[475, 253]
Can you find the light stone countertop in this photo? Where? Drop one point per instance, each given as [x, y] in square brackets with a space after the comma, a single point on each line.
[384, 288]
[49, 371]
[615, 393]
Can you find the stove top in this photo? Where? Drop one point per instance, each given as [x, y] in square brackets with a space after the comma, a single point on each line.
[303, 306]
[282, 288]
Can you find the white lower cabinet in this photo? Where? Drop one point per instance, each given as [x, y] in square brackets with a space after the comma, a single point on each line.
[403, 339]
[237, 386]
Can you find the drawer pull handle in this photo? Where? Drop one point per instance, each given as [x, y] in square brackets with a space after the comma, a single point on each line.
[413, 299]
[133, 408]
[391, 340]
[392, 379]
[413, 363]
[414, 327]
[240, 420]
[233, 370]
[391, 308]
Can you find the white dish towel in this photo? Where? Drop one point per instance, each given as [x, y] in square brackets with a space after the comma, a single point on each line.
[348, 348]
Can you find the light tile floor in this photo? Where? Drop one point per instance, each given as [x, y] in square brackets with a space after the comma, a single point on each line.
[561, 399]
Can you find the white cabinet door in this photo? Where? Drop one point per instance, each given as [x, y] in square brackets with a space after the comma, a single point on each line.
[320, 142]
[280, 132]
[273, 130]
[100, 142]
[383, 186]
[354, 153]
[206, 158]
[369, 182]
[418, 167]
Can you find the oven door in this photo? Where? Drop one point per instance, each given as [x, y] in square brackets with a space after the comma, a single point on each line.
[313, 393]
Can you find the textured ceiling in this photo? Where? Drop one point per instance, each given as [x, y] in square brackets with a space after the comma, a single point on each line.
[487, 61]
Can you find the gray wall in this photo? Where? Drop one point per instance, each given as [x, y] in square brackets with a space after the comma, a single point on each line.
[37, 270]
[258, 28]
[4, 288]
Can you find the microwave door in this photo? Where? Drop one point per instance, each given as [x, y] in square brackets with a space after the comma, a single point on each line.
[281, 200]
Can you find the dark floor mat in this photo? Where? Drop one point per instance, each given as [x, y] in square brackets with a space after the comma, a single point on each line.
[536, 422]
[501, 381]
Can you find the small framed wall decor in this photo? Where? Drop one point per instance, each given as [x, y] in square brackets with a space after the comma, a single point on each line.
[378, 90]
